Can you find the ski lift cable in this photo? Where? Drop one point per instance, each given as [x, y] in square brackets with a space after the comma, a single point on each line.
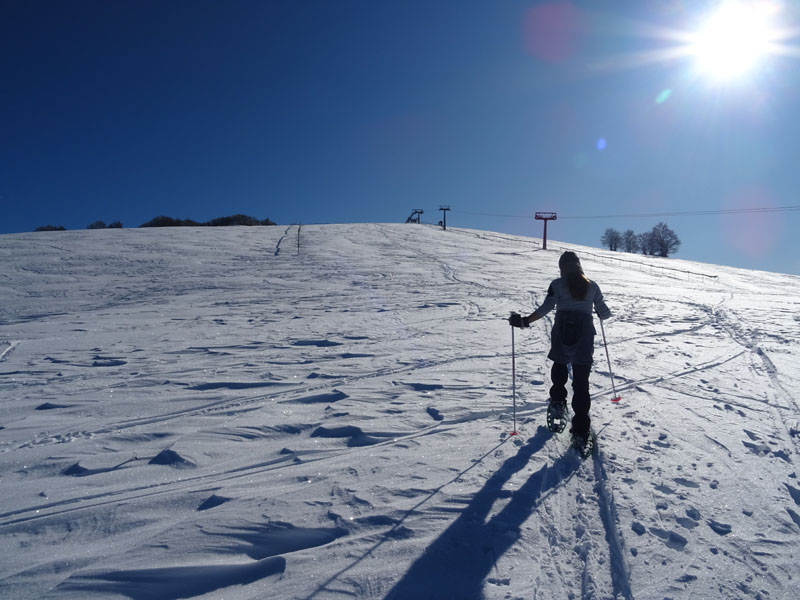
[731, 211]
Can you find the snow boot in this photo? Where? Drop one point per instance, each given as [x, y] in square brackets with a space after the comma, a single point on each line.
[583, 443]
[557, 415]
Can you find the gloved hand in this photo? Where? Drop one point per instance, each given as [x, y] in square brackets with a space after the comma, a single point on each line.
[516, 320]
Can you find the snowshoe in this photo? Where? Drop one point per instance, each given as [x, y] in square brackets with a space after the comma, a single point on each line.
[583, 444]
[557, 416]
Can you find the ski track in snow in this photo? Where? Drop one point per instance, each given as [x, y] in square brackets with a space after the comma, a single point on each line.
[229, 420]
[280, 240]
[6, 348]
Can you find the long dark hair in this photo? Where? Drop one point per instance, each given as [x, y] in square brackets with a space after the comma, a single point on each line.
[572, 272]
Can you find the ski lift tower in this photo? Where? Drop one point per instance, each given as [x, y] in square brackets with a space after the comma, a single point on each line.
[444, 210]
[545, 216]
[415, 216]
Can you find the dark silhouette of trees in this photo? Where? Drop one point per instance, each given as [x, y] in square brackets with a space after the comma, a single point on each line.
[163, 221]
[102, 225]
[645, 242]
[237, 220]
[630, 241]
[611, 238]
[664, 241]
[659, 241]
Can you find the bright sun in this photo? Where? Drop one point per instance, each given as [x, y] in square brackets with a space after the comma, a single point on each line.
[733, 40]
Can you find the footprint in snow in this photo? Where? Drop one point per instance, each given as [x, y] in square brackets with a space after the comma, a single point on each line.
[757, 449]
[435, 414]
[686, 482]
[661, 441]
[719, 528]
[664, 489]
[672, 539]
[686, 523]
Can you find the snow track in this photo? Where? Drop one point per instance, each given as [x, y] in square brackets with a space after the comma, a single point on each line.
[620, 571]
[6, 348]
[280, 240]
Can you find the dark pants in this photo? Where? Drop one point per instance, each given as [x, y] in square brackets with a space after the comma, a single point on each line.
[581, 402]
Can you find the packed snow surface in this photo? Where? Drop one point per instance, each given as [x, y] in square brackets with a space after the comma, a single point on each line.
[325, 412]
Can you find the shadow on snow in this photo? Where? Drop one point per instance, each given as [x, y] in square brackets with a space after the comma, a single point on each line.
[458, 562]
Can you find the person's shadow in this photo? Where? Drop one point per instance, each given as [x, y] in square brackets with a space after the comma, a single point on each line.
[456, 564]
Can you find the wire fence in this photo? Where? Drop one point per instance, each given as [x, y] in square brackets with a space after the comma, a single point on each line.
[648, 267]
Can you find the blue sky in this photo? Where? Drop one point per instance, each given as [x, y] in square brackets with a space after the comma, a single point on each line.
[359, 111]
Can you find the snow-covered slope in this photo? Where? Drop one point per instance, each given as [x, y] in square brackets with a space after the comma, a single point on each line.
[218, 413]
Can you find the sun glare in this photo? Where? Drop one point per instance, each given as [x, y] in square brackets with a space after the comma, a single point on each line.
[733, 42]
[734, 39]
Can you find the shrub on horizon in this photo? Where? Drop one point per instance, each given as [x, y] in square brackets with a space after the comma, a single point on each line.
[163, 221]
[233, 220]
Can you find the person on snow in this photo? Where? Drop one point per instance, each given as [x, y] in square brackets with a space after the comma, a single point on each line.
[572, 340]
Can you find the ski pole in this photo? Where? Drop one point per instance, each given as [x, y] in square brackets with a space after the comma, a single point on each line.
[513, 381]
[615, 398]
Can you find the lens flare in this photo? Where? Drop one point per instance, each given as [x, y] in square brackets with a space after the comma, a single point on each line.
[663, 96]
[755, 235]
[551, 31]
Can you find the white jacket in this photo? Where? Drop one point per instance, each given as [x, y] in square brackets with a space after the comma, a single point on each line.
[558, 297]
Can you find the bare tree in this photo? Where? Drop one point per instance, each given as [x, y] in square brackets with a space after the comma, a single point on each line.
[645, 242]
[611, 238]
[630, 241]
[664, 240]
